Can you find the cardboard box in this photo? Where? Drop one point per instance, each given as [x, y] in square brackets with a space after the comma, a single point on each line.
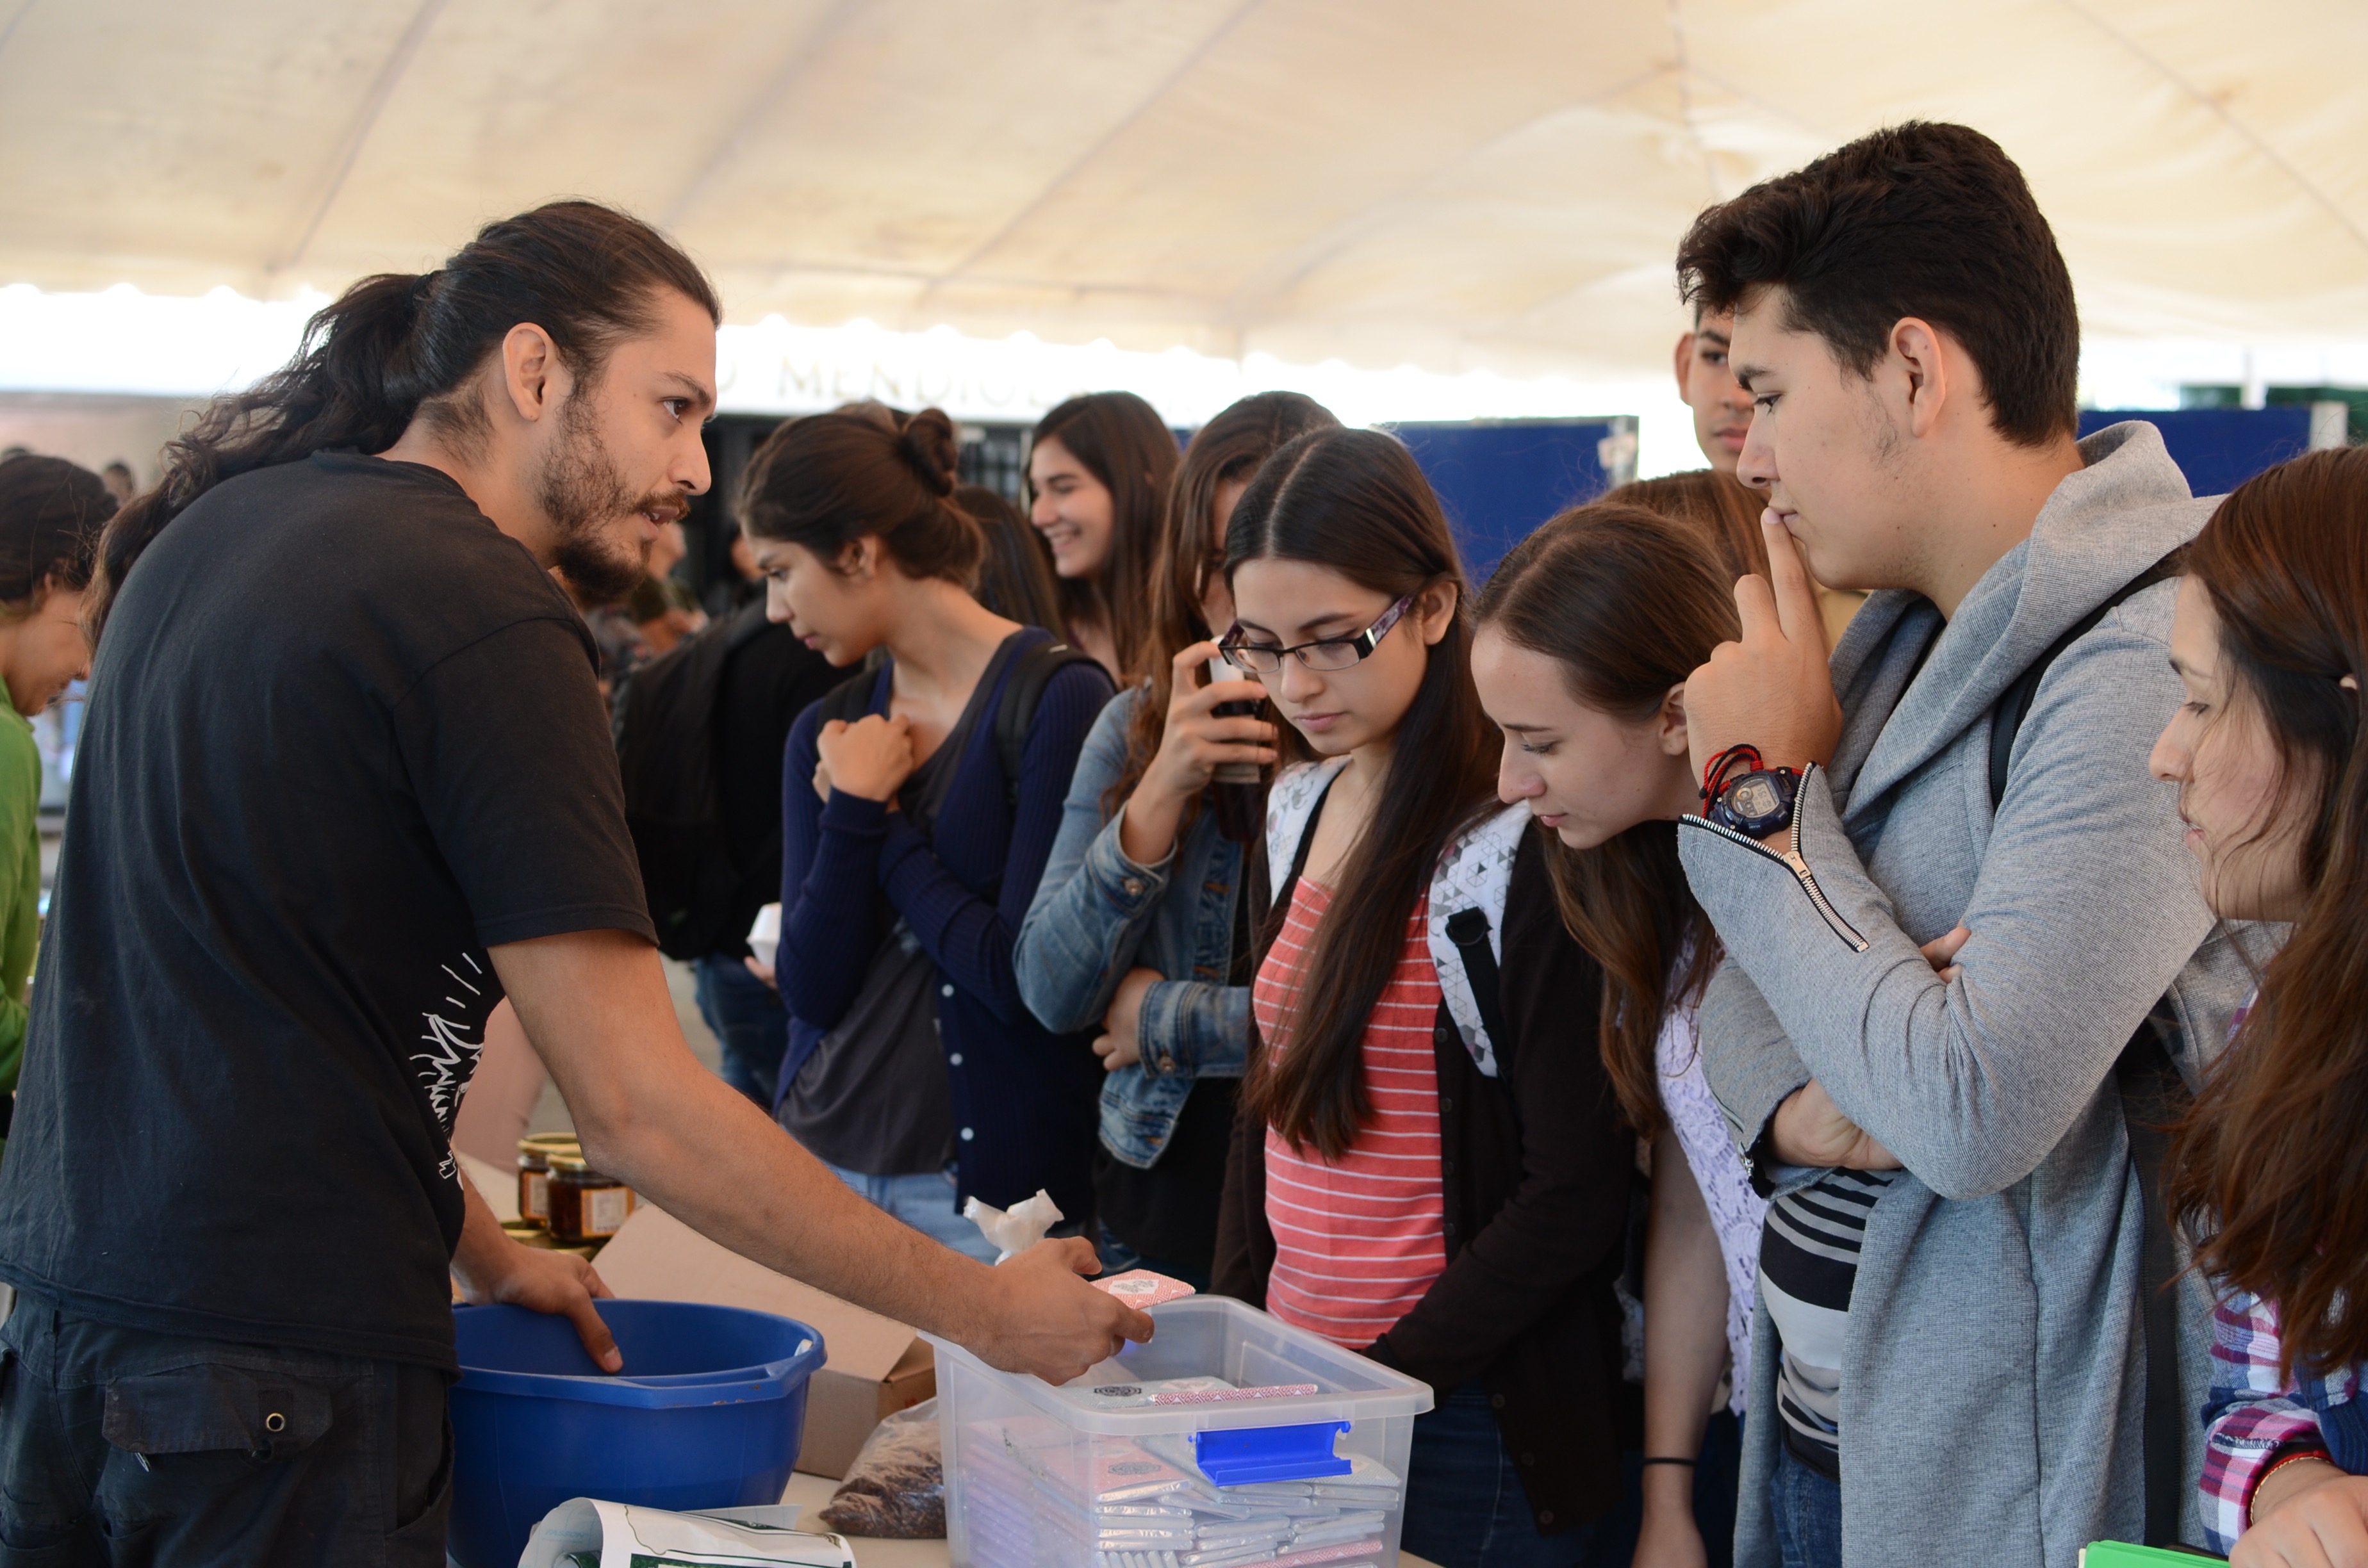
[875, 1366]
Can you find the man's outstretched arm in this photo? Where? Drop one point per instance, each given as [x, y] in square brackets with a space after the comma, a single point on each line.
[596, 1006]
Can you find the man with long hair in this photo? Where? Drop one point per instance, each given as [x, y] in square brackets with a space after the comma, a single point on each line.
[345, 783]
[1950, 1345]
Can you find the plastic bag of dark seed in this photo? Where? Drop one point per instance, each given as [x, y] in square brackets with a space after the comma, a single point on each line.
[897, 1488]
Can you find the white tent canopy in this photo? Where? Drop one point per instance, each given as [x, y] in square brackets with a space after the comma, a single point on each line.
[1489, 184]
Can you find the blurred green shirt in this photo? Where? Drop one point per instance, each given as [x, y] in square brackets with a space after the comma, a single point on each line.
[20, 881]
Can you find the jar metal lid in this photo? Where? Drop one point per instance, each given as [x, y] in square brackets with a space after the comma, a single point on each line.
[575, 1164]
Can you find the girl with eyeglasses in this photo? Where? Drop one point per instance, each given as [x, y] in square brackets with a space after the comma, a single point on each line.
[1429, 1165]
[1139, 930]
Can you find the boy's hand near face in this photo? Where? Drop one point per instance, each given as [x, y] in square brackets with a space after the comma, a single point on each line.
[1772, 689]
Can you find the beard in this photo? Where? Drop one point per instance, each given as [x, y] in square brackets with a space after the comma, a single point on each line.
[588, 502]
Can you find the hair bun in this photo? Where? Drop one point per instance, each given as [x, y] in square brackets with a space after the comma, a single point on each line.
[926, 442]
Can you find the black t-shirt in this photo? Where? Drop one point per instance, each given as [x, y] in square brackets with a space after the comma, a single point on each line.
[343, 736]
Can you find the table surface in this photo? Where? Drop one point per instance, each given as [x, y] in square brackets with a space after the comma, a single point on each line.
[811, 1491]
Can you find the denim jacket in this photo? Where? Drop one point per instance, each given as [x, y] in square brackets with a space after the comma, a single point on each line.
[1098, 914]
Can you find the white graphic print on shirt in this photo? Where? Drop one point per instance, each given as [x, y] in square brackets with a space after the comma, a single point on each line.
[454, 1040]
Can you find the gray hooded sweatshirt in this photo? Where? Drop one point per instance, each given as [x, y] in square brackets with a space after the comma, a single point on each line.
[1993, 1376]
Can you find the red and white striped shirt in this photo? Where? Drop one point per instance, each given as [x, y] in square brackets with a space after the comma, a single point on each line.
[1357, 1243]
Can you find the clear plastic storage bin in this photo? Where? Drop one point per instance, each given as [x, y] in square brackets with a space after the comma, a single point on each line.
[1232, 1440]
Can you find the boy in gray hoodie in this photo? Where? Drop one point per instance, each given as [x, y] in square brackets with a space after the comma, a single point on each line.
[1951, 1353]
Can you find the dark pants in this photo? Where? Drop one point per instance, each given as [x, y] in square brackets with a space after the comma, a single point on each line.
[1808, 1510]
[124, 1447]
[1466, 1507]
[750, 1023]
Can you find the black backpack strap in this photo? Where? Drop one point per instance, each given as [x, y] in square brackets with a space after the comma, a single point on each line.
[1468, 929]
[1023, 690]
[2154, 1098]
[2014, 704]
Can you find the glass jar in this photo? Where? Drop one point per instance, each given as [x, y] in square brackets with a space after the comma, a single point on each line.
[585, 1205]
[534, 1173]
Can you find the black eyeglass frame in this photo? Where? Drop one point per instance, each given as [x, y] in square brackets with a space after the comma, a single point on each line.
[1363, 644]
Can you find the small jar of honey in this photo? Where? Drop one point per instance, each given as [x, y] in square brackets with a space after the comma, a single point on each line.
[585, 1205]
[534, 1172]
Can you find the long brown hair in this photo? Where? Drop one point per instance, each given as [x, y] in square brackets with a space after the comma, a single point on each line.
[1722, 504]
[1121, 441]
[2270, 1169]
[399, 345]
[1227, 449]
[1629, 603]
[1354, 502]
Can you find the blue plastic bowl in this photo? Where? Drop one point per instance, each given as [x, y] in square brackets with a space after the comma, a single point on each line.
[707, 1414]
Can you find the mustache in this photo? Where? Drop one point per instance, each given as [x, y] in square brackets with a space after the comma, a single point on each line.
[668, 506]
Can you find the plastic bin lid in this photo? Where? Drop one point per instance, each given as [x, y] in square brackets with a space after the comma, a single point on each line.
[1349, 1387]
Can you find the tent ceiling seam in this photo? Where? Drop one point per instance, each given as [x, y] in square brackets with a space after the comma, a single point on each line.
[2254, 139]
[9, 31]
[1685, 66]
[358, 134]
[729, 147]
[1069, 171]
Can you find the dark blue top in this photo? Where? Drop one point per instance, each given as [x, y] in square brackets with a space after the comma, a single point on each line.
[1023, 1096]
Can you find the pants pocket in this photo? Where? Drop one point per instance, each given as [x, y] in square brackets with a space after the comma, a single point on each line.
[419, 1539]
[214, 1409]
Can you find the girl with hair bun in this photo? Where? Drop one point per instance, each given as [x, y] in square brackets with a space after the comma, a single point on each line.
[919, 800]
[2269, 1172]
[1100, 467]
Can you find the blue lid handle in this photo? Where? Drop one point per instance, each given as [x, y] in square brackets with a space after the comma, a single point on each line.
[1239, 1456]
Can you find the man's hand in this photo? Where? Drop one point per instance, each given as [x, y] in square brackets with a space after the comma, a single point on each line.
[1041, 1312]
[1772, 689]
[2309, 1515]
[558, 1282]
[869, 759]
[1810, 1130]
[1120, 1042]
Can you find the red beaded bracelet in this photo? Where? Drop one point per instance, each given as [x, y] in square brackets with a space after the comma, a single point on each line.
[2276, 1465]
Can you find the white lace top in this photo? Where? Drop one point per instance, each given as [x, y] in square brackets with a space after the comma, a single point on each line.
[1736, 1211]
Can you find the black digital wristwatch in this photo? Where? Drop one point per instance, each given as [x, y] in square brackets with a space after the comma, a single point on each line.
[1754, 802]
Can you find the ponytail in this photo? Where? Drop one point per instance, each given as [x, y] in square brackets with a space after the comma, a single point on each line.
[397, 347]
